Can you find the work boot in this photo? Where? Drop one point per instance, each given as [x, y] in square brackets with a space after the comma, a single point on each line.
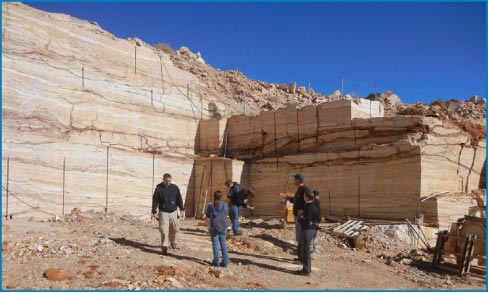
[238, 233]
[164, 250]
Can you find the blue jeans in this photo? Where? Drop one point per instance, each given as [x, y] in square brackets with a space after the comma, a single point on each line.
[234, 213]
[216, 239]
[304, 249]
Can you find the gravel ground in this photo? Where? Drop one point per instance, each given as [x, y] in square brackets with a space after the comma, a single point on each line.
[90, 250]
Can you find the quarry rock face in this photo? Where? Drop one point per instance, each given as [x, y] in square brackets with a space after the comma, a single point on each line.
[117, 114]
[364, 167]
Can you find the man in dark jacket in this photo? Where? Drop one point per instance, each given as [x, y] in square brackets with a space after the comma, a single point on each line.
[298, 201]
[308, 220]
[167, 199]
[237, 199]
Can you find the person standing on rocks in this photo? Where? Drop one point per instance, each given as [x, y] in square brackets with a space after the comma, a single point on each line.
[298, 202]
[167, 199]
[216, 212]
[238, 198]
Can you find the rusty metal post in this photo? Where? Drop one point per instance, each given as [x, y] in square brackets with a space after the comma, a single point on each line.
[162, 74]
[8, 170]
[135, 59]
[330, 208]
[64, 177]
[152, 173]
[359, 196]
[106, 186]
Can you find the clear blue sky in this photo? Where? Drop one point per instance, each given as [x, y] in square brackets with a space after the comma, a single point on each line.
[421, 51]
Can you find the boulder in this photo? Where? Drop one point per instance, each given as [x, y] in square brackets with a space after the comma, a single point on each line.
[453, 105]
[282, 87]
[183, 51]
[335, 95]
[390, 98]
[199, 58]
[138, 42]
[474, 100]
[301, 90]
[292, 87]
[55, 274]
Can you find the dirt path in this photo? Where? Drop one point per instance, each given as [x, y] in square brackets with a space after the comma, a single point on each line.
[97, 251]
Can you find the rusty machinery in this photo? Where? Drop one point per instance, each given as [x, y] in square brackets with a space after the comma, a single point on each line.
[287, 206]
[464, 242]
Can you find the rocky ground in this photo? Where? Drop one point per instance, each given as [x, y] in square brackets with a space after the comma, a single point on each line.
[91, 250]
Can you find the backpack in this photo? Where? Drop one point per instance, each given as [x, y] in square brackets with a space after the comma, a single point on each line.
[220, 223]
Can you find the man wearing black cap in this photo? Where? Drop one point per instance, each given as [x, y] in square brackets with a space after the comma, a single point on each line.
[298, 201]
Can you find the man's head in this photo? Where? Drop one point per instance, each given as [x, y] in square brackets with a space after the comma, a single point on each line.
[298, 179]
[167, 179]
[229, 183]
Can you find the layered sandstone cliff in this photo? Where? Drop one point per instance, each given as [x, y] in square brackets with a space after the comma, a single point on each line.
[100, 119]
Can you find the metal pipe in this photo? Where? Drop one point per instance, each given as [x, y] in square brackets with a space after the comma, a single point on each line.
[64, 178]
[106, 186]
[8, 171]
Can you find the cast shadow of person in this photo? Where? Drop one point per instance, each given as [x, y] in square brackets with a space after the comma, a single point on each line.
[246, 261]
[276, 242]
[150, 249]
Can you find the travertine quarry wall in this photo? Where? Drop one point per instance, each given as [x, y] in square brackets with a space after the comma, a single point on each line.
[326, 127]
[103, 118]
[72, 90]
[364, 167]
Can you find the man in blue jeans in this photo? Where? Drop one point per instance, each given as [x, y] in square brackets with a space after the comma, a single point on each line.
[238, 198]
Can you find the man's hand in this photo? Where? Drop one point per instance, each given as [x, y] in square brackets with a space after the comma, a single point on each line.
[300, 212]
[156, 216]
[250, 207]
[182, 214]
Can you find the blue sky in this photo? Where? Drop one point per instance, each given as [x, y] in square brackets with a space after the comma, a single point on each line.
[421, 51]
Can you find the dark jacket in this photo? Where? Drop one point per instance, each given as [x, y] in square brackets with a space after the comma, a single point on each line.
[238, 199]
[233, 192]
[298, 201]
[167, 199]
[310, 216]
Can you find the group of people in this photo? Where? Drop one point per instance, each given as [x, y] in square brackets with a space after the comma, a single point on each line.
[306, 209]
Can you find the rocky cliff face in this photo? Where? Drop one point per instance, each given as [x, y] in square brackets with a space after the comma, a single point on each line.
[116, 113]
[99, 119]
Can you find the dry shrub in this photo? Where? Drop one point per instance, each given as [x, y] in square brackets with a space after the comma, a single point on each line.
[165, 47]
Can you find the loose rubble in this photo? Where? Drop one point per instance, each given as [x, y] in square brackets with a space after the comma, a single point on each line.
[88, 251]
